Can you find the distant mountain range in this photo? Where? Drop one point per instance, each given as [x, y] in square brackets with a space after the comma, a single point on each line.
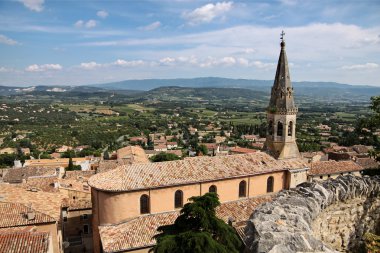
[328, 91]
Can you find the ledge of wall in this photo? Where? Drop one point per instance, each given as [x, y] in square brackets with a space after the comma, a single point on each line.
[326, 216]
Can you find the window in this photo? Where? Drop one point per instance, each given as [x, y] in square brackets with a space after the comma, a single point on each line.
[280, 128]
[270, 127]
[84, 217]
[212, 189]
[178, 199]
[243, 189]
[144, 204]
[270, 183]
[290, 128]
[86, 229]
[321, 177]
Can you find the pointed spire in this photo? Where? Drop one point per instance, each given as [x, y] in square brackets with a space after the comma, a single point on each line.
[282, 90]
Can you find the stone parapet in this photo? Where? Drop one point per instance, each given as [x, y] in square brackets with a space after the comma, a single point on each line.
[326, 216]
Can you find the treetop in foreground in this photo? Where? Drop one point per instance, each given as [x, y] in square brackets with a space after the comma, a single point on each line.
[197, 229]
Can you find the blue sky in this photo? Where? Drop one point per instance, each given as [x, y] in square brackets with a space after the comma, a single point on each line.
[44, 42]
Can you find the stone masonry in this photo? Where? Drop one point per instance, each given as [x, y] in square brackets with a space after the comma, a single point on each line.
[328, 216]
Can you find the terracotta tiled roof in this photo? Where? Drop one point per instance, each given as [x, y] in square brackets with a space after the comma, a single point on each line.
[138, 232]
[44, 202]
[241, 150]
[76, 174]
[45, 184]
[77, 204]
[16, 175]
[26, 242]
[333, 167]
[107, 165]
[199, 169]
[134, 154]
[367, 163]
[14, 214]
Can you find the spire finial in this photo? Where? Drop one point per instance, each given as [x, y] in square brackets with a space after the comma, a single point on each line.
[282, 39]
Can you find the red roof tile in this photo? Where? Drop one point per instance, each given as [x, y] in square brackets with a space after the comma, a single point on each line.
[333, 167]
[139, 232]
[25, 242]
[198, 169]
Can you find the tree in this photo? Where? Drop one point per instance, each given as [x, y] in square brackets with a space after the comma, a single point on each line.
[198, 230]
[106, 155]
[162, 157]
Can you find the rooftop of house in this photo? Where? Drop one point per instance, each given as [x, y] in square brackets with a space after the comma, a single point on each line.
[139, 232]
[16, 175]
[26, 242]
[241, 150]
[135, 154]
[333, 167]
[15, 214]
[44, 202]
[367, 163]
[197, 169]
[77, 204]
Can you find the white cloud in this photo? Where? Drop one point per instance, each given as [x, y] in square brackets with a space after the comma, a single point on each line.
[5, 40]
[102, 14]
[89, 24]
[79, 23]
[207, 13]
[167, 61]
[34, 5]
[44, 67]
[152, 26]
[124, 63]
[4, 70]
[262, 65]
[368, 65]
[90, 65]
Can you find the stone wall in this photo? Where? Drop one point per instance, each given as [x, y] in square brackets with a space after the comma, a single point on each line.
[327, 216]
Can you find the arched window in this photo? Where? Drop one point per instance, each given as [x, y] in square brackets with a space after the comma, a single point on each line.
[270, 183]
[178, 199]
[270, 127]
[243, 189]
[212, 188]
[290, 128]
[144, 204]
[280, 128]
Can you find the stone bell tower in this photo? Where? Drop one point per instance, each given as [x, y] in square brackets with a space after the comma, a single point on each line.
[281, 113]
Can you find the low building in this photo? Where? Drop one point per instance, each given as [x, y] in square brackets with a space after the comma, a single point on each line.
[332, 169]
[132, 155]
[171, 145]
[76, 225]
[163, 188]
[8, 151]
[21, 207]
[58, 162]
[240, 150]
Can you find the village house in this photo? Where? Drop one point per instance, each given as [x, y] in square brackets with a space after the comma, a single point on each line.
[8, 151]
[332, 169]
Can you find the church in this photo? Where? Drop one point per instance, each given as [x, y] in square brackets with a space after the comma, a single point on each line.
[131, 201]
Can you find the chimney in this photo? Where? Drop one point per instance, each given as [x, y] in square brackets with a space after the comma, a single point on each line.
[30, 214]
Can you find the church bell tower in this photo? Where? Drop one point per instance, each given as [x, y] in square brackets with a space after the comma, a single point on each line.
[281, 113]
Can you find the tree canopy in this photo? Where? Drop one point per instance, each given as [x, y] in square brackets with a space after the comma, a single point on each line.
[198, 230]
[162, 157]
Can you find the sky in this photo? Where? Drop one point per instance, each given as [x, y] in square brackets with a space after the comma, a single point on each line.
[68, 42]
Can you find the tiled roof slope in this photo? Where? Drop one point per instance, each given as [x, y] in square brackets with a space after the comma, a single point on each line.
[14, 214]
[25, 242]
[16, 175]
[134, 154]
[333, 167]
[197, 169]
[44, 202]
[138, 232]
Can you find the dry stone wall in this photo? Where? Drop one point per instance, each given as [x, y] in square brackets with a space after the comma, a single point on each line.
[329, 216]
